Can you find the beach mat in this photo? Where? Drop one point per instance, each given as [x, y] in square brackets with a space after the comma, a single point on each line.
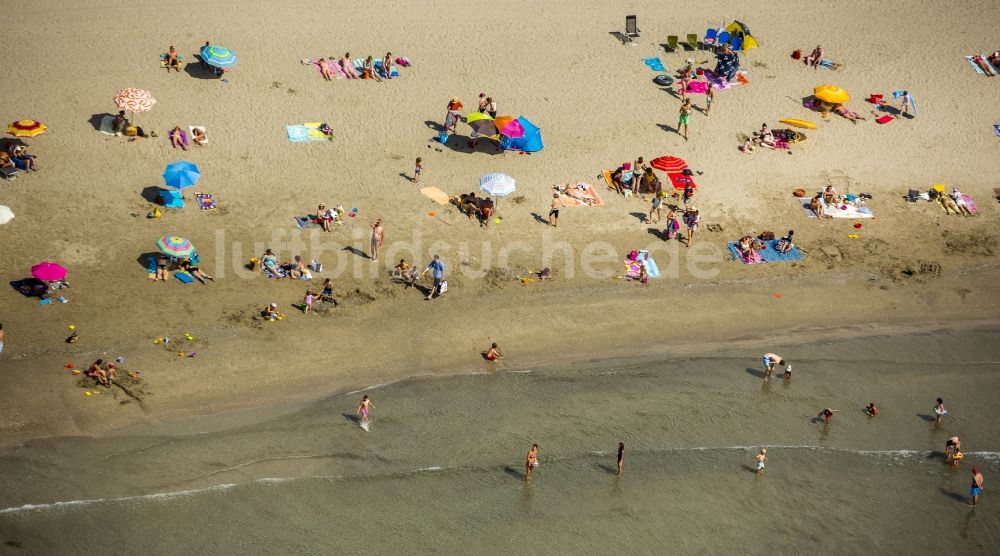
[436, 195]
[654, 64]
[305, 133]
[590, 193]
[107, 126]
[205, 201]
[768, 255]
[308, 221]
[29, 287]
[184, 277]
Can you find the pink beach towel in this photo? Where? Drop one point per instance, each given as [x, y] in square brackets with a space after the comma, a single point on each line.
[334, 68]
[348, 69]
[697, 87]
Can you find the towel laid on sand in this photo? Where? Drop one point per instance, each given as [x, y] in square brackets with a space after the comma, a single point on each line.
[654, 64]
[305, 133]
[308, 221]
[436, 195]
[200, 128]
[205, 201]
[836, 211]
[975, 66]
[585, 196]
[767, 255]
[107, 126]
[184, 136]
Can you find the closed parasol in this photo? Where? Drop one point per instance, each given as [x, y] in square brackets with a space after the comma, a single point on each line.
[669, 164]
[26, 128]
[832, 94]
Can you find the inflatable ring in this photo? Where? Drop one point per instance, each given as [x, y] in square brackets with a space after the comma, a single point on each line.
[663, 80]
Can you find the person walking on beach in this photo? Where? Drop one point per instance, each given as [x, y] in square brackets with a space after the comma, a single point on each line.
[418, 169]
[709, 97]
[2, 334]
[977, 486]
[554, 207]
[685, 116]
[761, 457]
[364, 408]
[621, 458]
[378, 233]
[770, 360]
[307, 301]
[939, 411]
[531, 463]
[691, 219]
[436, 268]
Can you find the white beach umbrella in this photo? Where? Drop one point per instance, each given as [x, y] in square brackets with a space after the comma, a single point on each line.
[6, 215]
[497, 185]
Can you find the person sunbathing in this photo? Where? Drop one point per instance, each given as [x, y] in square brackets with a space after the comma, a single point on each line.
[685, 72]
[766, 139]
[616, 180]
[172, 61]
[963, 207]
[5, 161]
[269, 263]
[746, 247]
[176, 138]
[830, 196]
[348, 66]
[816, 205]
[369, 70]
[387, 65]
[198, 136]
[785, 244]
[324, 69]
[195, 271]
[815, 58]
[120, 123]
[324, 217]
[841, 110]
[948, 204]
[486, 211]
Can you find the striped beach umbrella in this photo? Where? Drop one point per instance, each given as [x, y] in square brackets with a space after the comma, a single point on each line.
[218, 56]
[181, 174]
[134, 100]
[48, 271]
[26, 128]
[669, 164]
[175, 246]
[497, 185]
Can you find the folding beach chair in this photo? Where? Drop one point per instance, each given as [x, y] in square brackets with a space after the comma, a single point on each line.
[631, 30]
[692, 41]
[710, 36]
[737, 44]
[672, 43]
[723, 38]
[8, 173]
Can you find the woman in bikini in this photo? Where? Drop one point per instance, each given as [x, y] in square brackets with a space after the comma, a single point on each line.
[531, 463]
[348, 66]
[369, 70]
[176, 139]
[387, 65]
[364, 408]
[195, 271]
[198, 136]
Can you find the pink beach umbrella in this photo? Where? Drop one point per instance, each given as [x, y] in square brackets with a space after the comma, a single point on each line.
[513, 129]
[48, 271]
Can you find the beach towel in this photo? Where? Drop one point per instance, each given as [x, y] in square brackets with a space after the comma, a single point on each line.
[107, 126]
[436, 195]
[314, 133]
[767, 255]
[719, 82]
[29, 287]
[679, 181]
[308, 221]
[172, 199]
[996, 128]
[378, 67]
[200, 128]
[151, 267]
[586, 196]
[975, 66]
[885, 119]
[334, 68]
[829, 64]
[205, 201]
[652, 269]
[697, 87]
[654, 64]
[969, 203]
[184, 136]
[297, 133]
[184, 277]
[850, 211]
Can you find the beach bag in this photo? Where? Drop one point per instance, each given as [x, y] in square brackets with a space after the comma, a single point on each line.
[797, 54]
[443, 287]
[765, 236]
[131, 131]
[443, 137]
[799, 192]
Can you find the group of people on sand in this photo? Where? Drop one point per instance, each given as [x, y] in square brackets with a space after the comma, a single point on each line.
[17, 157]
[346, 66]
[471, 205]
[176, 135]
[954, 202]
[454, 115]
[165, 264]
[296, 269]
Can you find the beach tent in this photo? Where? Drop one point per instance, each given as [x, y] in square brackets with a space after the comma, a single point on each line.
[737, 29]
[530, 142]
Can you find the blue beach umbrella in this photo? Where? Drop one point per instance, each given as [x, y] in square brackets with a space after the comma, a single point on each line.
[181, 174]
[218, 56]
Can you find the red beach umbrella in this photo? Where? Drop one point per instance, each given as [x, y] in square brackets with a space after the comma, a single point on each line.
[669, 164]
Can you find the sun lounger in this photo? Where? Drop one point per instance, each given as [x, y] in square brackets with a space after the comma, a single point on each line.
[710, 36]
[672, 43]
[737, 44]
[9, 174]
[631, 28]
[692, 41]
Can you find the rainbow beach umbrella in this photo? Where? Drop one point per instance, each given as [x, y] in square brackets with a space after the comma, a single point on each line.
[175, 246]
[48, 271]
[26, 128]
[218, 56]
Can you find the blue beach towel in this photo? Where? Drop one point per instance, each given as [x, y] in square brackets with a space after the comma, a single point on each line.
[996, 128]
[184, 277]
[297, 133]
[172, 199]
[769, 255]
[654, 64]
[652, 270]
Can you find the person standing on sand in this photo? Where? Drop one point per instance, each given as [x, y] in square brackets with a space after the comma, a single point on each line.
[761, 457]
[685, 116]
[554, 210]
[977, 486]
[621, 457]
[436, 267]
[691, 219]
[531, 463]
[939, 411]
[770, 360]
[364, 408]
[2, 334]
[378, 234]
[418, 168]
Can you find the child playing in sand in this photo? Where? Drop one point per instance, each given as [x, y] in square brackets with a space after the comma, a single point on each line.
[493, 353]
[308, 301]
[709, 97]
[418, 169]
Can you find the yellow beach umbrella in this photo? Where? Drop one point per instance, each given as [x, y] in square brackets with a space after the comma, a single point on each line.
[476, 116]
[26, 128]
[832, 94]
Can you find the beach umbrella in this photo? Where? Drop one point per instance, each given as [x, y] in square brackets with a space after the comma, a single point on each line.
[669, 164]
[512, 129]
[134, 100]
[497, 185]
[181, 174]
[502, 121]
[218, 56]
[175, 246]
[48, 271]
[6, 215]
[484, 127]
[832, 94]
[26, 128]
[477, 116]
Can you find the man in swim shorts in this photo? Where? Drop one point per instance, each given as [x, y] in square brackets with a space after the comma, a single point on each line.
[977, 486]
[770, 360]
[761, 457]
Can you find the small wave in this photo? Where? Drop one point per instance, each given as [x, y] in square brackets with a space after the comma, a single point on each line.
[156, 496]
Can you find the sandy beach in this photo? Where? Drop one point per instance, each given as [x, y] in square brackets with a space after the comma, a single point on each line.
[924, 279]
